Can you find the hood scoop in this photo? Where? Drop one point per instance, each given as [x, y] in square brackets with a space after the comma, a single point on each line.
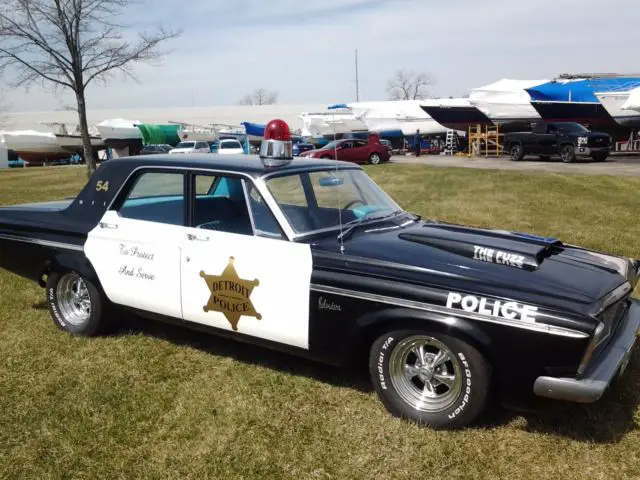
[511, 249]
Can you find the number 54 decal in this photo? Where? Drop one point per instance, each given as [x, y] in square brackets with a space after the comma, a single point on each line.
[102, 186]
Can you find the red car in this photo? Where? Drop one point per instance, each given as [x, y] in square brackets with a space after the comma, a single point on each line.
[353, 150]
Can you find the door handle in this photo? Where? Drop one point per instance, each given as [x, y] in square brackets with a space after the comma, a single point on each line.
[199, 238]
[112, 226]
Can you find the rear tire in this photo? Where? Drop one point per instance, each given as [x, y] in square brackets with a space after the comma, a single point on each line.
[567, 154]
[75, 304]
[447, 388]
[516, 152]
[374, 159]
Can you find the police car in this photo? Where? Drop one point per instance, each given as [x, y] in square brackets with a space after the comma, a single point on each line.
[310, 256]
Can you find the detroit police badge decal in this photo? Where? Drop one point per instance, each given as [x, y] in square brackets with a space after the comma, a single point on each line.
[230, 295]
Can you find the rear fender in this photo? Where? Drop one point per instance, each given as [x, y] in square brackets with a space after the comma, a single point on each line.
[75, 261]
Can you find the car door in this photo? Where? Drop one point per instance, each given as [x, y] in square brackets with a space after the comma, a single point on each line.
[360, 151]
[238, 271]
[345, 151]
[549, 145]
[135, 248]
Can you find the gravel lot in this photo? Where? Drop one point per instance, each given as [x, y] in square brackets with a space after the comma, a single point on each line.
[615, 165]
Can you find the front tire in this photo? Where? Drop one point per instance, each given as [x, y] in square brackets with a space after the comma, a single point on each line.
[429, 378]
[374, 159]
[516, 152]
[568, 154]
[75, 304]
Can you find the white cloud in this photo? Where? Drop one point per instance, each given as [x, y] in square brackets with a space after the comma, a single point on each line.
[305, 50]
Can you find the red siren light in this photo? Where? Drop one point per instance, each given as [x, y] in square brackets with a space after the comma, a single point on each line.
[276, 148]
[277, 130]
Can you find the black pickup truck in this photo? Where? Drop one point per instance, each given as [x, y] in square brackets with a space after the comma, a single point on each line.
[569, 140]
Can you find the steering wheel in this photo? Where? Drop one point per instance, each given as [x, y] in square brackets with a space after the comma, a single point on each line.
[352, 203]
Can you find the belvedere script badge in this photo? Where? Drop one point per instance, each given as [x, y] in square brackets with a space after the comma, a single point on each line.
[230, 295]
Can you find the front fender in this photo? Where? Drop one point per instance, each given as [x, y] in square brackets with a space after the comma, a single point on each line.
[371, 325]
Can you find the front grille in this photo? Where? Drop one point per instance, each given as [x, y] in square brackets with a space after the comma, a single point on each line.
[598, 142]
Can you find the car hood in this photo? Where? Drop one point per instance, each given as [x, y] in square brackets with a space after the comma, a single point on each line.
[494, 262]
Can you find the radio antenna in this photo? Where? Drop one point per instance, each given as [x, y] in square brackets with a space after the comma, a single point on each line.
[335, 155]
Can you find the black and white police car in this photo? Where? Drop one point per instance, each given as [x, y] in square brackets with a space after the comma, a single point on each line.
[312, 257]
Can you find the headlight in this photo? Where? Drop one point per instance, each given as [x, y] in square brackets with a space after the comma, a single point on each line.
[582, 140]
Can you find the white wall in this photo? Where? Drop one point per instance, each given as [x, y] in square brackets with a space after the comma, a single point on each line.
[4, 156]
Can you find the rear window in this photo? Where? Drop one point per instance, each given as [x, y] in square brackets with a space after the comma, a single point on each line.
[230, 144]
[186, 145]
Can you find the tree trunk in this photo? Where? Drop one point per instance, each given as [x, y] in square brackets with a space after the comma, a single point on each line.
[86, 138]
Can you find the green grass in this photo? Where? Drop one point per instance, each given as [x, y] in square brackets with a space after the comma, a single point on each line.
[154, 401]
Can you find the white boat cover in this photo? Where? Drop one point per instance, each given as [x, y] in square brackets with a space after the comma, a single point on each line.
[503, 91]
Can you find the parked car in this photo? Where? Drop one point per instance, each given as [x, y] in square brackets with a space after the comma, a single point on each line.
[229, 146]
[566, 139]
[17, 163]
[155, 149]
[301, 147]
[353, 150]
[191, 147]
[388, 145]
[310, 256]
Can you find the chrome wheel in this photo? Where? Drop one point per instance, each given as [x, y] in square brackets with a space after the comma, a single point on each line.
[74, 300]
[374, 159]
[425, 373]
[516, 152]
[566, 154]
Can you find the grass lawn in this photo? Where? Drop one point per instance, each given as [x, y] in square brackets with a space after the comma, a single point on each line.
[154, 401]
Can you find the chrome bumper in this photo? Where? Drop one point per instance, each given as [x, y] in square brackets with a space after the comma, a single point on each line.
[598, 376]
[588, 151]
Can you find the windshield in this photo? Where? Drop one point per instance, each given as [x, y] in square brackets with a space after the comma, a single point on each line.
[186, 145]
[572, 128]
[320, 200]
[230, 144]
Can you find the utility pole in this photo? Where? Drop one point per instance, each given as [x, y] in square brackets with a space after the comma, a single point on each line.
[357, 82]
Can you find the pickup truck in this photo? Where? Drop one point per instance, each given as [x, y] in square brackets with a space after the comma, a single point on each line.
[566, 139]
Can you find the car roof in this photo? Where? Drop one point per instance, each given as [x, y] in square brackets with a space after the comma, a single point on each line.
[248, 164]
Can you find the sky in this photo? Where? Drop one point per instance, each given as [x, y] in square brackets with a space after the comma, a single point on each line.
[305, 50]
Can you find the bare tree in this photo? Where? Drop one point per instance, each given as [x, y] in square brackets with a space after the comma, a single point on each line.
[4, 109]
[260, 96]
[71, 43]
[409, 85]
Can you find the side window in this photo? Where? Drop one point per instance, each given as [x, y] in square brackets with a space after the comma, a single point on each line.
[156, 197]
[290, 195]
[359, 143]
[263, 220]
[220, 205]
[347, 145]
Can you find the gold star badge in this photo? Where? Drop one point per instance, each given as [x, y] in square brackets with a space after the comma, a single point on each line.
[230, 295]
